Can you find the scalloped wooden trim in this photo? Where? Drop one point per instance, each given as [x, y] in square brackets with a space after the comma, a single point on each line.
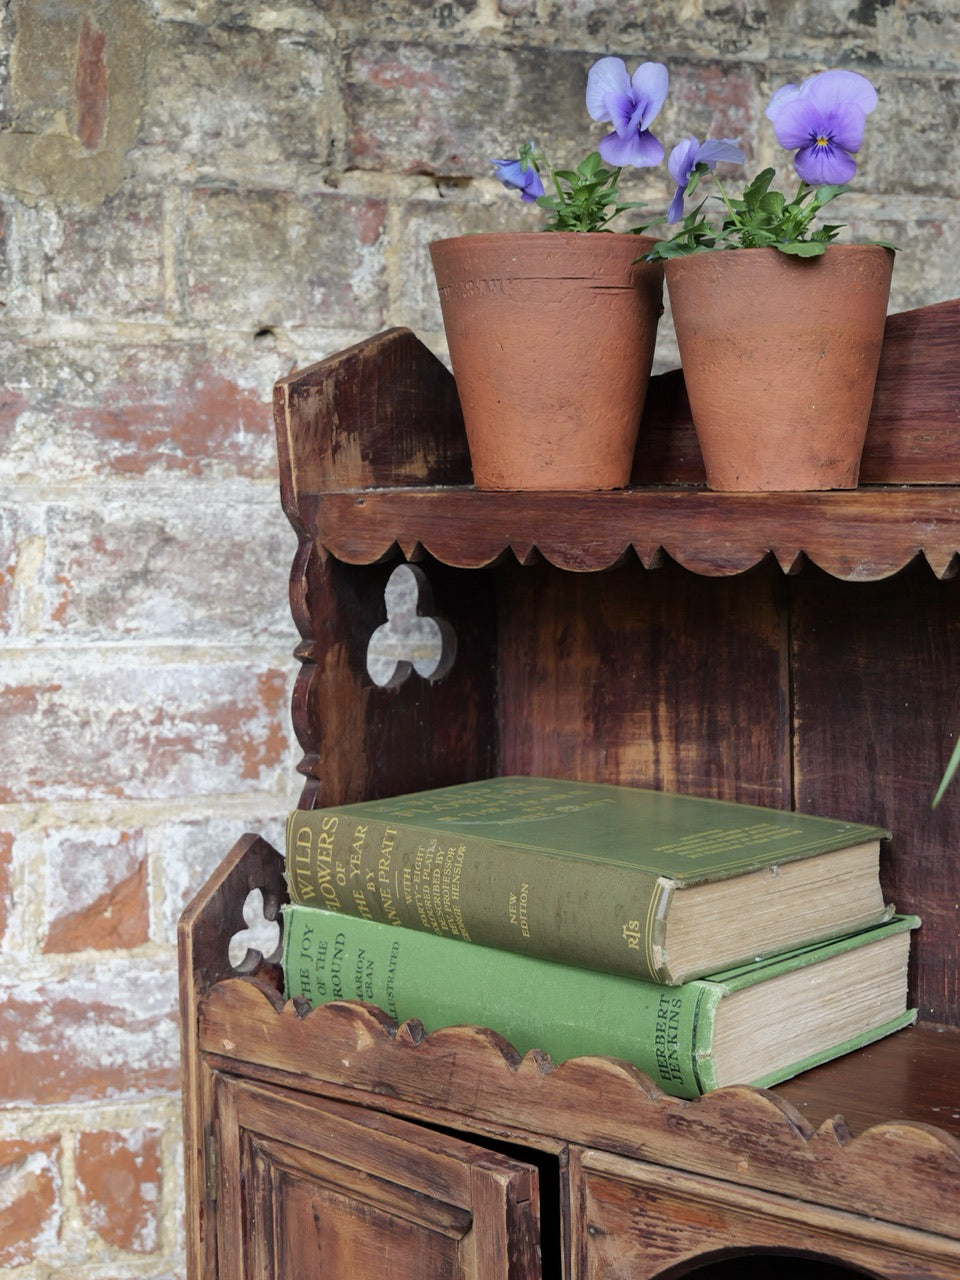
[858, 536]
[747, 1135]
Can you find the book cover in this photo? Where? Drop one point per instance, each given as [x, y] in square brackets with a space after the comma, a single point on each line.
[632, 881]
[756, 1024]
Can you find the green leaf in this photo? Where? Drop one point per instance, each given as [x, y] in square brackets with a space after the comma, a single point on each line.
[590, 166]
[803, 248]
[758, 188]
[827, 193]
[952, 766]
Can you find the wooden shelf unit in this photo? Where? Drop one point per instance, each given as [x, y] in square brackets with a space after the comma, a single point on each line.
[793, 650]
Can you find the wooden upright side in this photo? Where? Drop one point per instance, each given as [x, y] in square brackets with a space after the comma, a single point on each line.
[384, 412]
[205, 928]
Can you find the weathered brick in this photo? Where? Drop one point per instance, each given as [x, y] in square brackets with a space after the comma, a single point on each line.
[650, 32]
[188, 852]
[517, 8]
[14, 403]
[104, 1031]
[230, 101]
[76, 92]
[446, 113]
[412, 18]
[97, 895]
[130, 730]
[864, 35]
[107, 261]
[319, 257]
[913, 138]
[421, 109]
[77, 410]
[6, 40]
[6, 880]
[90, 85]
[921, 35]
[5, 269]
[119, 1181]
[116, 570]
[29, 1199]
[12, 534]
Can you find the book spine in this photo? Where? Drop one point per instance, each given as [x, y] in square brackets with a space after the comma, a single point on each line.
[533, 1003]
[478, 890]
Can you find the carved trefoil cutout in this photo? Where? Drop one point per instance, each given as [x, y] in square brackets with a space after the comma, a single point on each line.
[261, 937]
[411, 639]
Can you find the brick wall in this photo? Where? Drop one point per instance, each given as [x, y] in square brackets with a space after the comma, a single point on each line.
[195, 197]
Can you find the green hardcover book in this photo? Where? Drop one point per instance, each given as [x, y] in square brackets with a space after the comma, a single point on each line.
[756, 1024]
[644, 883]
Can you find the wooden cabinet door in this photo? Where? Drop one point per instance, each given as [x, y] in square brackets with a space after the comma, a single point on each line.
[311, 1189]
[637, 1221]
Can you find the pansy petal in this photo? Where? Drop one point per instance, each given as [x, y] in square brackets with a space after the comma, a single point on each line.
[847, 125]
[532, 187]
[635, 122]
[786, 94]
[683, 159]
[818, 166]
[623, 113]
[651, 82]
[797, 122]
[719, 150]
[640, 150]
[675, 212]
[509, 172]
[830, 89]
[607, 80]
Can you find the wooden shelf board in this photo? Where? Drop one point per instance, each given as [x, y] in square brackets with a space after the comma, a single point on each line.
[910, 1076]
[856, 535]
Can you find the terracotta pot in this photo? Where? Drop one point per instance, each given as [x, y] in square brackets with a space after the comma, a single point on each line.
[551, 338]
[780, 358]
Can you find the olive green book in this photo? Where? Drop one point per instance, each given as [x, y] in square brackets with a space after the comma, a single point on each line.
[757, 1024]
[645, 883]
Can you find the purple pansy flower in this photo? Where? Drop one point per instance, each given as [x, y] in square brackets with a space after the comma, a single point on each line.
[685, 157]
[513, 175]
[631, 105]
[823, 120]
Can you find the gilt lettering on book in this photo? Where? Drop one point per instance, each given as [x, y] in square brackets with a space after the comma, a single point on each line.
[756, 1024]
[644, 883]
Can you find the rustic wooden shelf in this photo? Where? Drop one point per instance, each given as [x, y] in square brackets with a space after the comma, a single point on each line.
[860, 535]
[798, 650]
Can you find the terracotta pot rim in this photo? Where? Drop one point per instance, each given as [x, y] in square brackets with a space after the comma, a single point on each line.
[770, 251]
[517, 255]
[547, 236]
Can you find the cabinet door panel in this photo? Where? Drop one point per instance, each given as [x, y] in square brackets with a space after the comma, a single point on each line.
[635, 1221]
[310, 1189]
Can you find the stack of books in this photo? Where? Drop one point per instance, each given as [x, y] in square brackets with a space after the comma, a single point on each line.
[709, 943]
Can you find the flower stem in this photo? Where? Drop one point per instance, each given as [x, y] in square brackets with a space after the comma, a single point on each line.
[726, 199]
